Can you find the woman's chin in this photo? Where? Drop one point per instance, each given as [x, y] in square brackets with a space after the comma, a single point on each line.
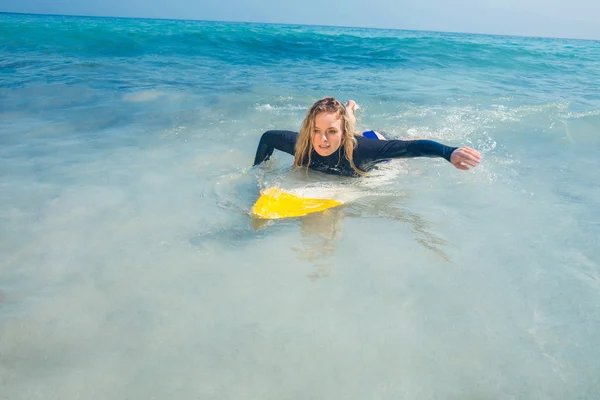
[324, 152]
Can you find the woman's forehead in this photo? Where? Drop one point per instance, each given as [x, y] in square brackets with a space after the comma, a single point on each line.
[328, 119]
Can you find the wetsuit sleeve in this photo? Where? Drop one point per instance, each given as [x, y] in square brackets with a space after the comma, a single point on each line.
[389, 149]
[270, 140]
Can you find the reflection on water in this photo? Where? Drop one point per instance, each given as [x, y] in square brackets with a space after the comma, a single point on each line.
[320, 232]
[391, 210]
[319, 240]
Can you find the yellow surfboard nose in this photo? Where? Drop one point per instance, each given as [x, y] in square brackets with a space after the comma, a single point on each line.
[276, 203]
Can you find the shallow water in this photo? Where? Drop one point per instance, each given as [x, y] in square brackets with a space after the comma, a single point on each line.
[130, 268]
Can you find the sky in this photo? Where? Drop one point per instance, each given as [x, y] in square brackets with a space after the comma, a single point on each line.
[545, 18]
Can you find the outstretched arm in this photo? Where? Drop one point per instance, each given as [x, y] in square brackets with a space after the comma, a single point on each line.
[270, 140]
[461, 158]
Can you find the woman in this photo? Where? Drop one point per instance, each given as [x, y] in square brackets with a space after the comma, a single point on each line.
[328, 142]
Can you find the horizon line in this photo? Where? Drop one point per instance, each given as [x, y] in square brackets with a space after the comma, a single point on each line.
[309, 25]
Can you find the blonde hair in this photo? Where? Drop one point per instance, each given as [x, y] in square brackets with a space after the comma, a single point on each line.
[304, 146]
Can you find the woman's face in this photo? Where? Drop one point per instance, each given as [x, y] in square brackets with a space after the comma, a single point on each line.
[327, 133]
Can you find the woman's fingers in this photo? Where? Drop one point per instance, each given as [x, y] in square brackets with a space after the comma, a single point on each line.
[469, 160]
[466, 157]
[475, 155]
[461, 166]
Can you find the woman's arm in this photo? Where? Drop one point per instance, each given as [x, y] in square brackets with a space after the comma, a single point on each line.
[461, 158]
[270, 140]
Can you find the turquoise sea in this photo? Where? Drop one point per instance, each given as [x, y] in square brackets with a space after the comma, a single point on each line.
[131, 269]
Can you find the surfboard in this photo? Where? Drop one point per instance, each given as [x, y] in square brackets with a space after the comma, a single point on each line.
[275, 203]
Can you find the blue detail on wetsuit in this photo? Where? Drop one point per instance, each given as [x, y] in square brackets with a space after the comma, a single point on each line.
[370, 135]
[373, 135]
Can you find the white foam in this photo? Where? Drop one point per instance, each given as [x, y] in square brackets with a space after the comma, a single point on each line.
[278, 108]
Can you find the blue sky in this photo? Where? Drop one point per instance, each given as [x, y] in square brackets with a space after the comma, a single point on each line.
[548, 18]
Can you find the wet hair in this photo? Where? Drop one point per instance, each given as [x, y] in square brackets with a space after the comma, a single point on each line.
[304, 145]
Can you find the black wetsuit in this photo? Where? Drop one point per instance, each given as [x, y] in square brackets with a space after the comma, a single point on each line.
[366, 155]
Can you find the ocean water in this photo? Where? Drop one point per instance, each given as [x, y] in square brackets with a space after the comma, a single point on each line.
[130, 267]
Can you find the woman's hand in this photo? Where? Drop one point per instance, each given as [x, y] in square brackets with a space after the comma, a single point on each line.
[465, 158]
